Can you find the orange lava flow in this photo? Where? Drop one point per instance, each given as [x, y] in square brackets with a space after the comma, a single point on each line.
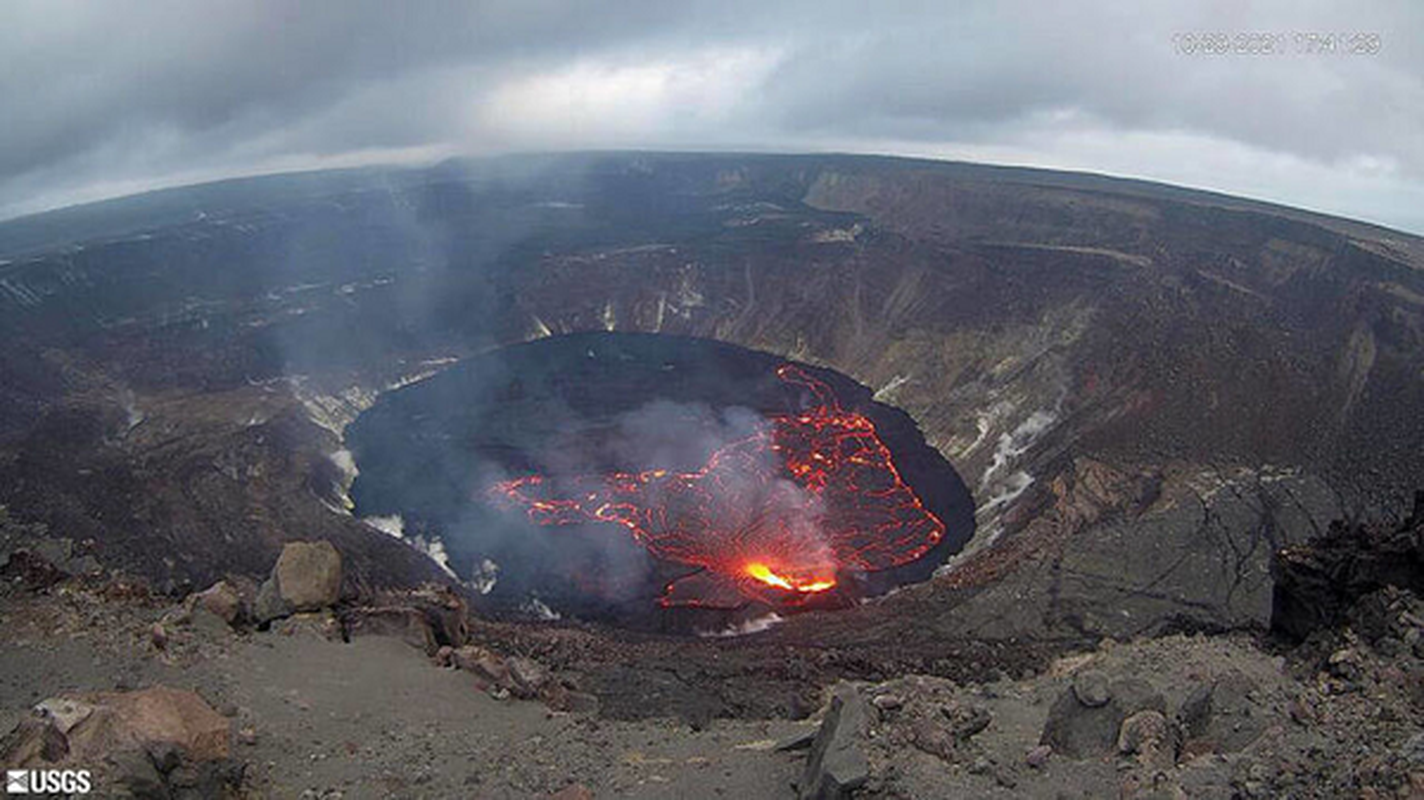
[764, 574]
[782, 511]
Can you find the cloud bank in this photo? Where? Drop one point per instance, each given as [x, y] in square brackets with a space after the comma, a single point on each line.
[109, 98]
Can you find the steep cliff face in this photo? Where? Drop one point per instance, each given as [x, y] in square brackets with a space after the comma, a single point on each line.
[1053, 335]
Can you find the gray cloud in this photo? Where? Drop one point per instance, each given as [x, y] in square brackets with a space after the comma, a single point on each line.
[106, 98]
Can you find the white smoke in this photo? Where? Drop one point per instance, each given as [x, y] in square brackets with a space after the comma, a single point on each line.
[134, 414]
[345, 462]
[1009, 490]
[1013, 445]
[538, 609]
[435, 549]
[394, 525]
[746, 627]
[484, 576]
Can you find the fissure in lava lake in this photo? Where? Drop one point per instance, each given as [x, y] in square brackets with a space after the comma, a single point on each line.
[779, 514]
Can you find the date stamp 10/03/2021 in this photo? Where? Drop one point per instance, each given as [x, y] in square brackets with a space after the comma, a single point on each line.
[1277, 43]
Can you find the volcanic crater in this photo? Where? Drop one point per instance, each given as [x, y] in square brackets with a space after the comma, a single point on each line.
[661, 482]
[1150, 392]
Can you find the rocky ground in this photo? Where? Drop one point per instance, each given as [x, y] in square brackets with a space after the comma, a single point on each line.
[284, 689]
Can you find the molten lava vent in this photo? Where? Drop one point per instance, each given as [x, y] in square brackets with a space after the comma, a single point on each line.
[657, 481]
[778, 514]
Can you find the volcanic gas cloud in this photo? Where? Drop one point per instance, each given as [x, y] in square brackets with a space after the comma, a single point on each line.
[776, 516]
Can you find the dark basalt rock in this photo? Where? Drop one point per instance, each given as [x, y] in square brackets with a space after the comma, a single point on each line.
[1222, 717]
[837, 765]
[1318, 583]
[1078, 730]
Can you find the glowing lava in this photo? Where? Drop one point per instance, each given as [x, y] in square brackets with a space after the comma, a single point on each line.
[764, 574]
[781, 511]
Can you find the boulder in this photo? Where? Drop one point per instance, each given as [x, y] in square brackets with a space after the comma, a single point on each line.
[446, 613]
[1150, 737]
[1091, 688]
[887, 702]
[31, 569]
[405, 623]
[308, 575]
[222, 600]
[527, 677]
[1037, 757]
[1078, 730]
[34, 740]
[134, 739]
[965, 721]
[270, 605]
[134, 774]
[1221, 717]
[39, 561]
[149, 717]
[837, 764]
[314, 624]
[486, 666]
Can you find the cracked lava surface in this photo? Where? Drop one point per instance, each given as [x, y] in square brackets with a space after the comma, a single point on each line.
[779, 516]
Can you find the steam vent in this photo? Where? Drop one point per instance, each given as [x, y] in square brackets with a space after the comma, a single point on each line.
[615, 475]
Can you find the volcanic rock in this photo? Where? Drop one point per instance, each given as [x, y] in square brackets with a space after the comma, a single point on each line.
[1091, 688]
[445, 611]
[135, 774]
[158, 636]
[1038, 756]
[34, 740]
[1320, 581]
[405, 623]
[32, 570]
[160, 727]
[966, 721]
[269, 604]
[932, 736]
[1222, 717]
[308, 575]
[1149, 736]
[38, 560]
[801, 740]
[837, 764]
[150, 716]
[316, 624]
[483, 664]
[887, 702]
[222, 599]
[206, 622]
[1078, 730]
[561, 698]
[527, 677]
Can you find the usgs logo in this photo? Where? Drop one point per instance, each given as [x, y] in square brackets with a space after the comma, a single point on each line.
[47, 781]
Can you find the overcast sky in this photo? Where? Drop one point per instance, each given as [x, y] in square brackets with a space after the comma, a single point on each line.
[100, 98]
